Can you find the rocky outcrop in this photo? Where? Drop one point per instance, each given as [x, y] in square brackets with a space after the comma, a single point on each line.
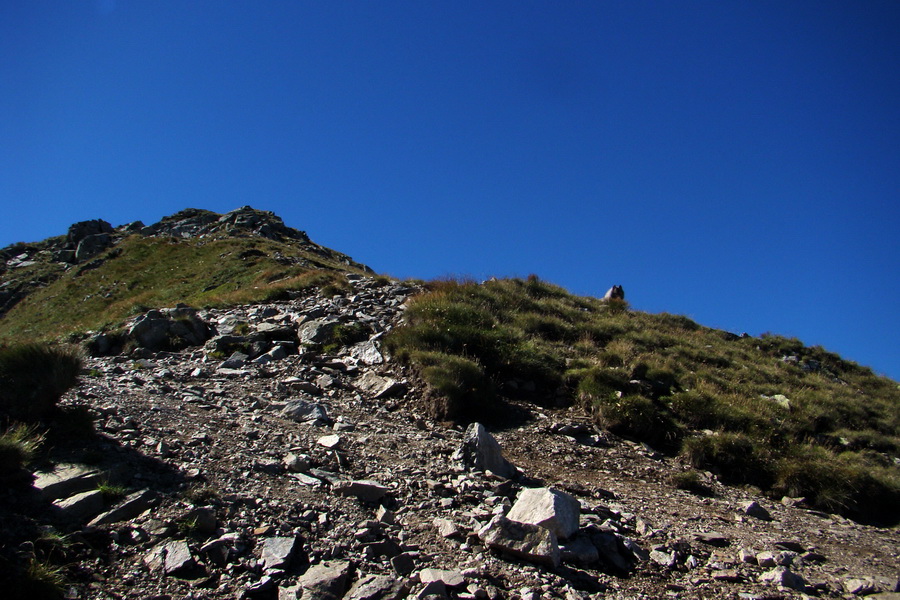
[87, 244]
[479, 451]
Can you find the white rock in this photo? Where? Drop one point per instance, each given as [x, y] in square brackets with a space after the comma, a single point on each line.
[557, 511]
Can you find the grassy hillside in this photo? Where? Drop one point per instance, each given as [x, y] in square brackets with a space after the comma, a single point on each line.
[768, 411]
[142, 272]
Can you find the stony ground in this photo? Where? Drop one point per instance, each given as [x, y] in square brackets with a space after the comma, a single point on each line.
[235, 465]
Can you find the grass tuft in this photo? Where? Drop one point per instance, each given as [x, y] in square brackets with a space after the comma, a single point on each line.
[18, 447]
[33, 377]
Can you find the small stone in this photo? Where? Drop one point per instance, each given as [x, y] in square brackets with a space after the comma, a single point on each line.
[433, 590]
[446, 528]
[451, 579]
[383, 515]
[783, 577]
[306, 412]
[403, 564]
[277, 552]
[379, 387]
[377, 587]
[329, 441]
[129, 508]
[81, 507]
[325, 581]
[664, 559]
[365, 490]
[755, 510]
[66, 480]
[860, 587]
[297, 463]
[747, 556]
[173, 558]
[766, 560]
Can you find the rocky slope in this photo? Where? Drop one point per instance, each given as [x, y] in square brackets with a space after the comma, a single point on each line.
[287, 457]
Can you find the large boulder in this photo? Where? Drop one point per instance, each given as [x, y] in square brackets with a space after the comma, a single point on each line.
[557, 511]
[521, 540]
[169, 329]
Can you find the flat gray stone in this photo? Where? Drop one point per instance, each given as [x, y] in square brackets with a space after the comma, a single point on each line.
[367, 353]
[81, 507]
[446, 528]
[317, 331]
[303, 411]
[377, 386]
[377, 587]
[325, 581]
[65, 480]
[329, 441]
[451, 579]
[365, 490]
[403, 564]
[129, 508]
[173, 558]
[277, 552]
[782, 576]
[860, 587]
[755, 510]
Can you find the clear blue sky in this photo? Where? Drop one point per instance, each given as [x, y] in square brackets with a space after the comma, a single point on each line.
[737, 162]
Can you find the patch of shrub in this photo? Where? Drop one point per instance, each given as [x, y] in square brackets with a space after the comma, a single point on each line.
[641, 418]
[616, 306]
[734, 457]
[200, 495]
[691, 481]
[33, 377]
[704, 411]
[459, 387]
[545, 326]
[846, 483]
[677, 322]
[655, 377]
[346, 334]
[112, 492]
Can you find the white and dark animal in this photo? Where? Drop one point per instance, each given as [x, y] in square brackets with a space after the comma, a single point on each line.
[616, 292]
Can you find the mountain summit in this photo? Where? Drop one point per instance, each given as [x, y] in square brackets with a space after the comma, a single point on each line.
[194, 256]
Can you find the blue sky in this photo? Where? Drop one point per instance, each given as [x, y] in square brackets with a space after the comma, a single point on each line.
[737, 162]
